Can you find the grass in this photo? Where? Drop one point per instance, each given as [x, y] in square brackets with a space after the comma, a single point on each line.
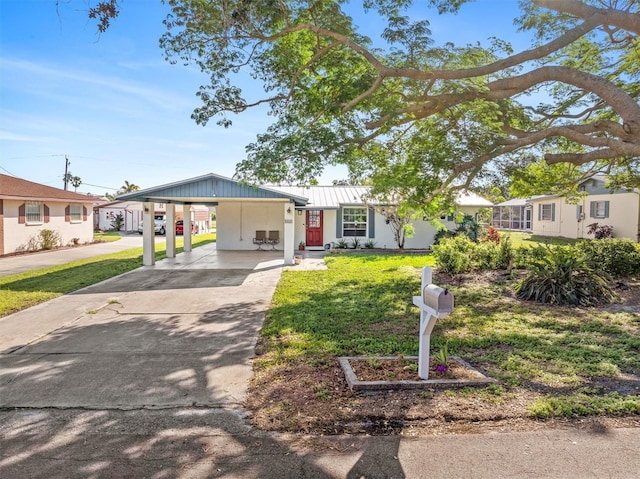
[362, 305]
[106, 236]
[357, 306]
[21, 291]
[527, 239]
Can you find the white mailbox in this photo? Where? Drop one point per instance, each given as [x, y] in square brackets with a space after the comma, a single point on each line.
[437, 298]
[435, 302]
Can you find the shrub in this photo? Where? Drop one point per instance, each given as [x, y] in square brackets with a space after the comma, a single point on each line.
[49, 239]
[342, 244]
[618, 257]
[600, 232]
[492, 235]
[565, 278]
[485, 255]
[506, 256]
[470, 228]
[523, 256]
[370, 244]
[355, 243]
[117, 222]
[453, 255]
[45, 240]
[442, 234]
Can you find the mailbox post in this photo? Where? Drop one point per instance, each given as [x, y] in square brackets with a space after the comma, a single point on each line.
[434, 303]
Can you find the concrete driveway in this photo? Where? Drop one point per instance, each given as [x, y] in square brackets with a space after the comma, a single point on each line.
[178, 334]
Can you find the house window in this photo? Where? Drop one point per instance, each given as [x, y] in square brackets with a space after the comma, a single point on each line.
[34, 212]
[354, 222]
[314, 219]
[599, 209]
[75, 213]
[546, 212]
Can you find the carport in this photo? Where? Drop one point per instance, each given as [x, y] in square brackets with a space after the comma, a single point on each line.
[241, 210]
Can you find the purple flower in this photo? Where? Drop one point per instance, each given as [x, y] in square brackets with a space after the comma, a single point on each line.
[440, 368]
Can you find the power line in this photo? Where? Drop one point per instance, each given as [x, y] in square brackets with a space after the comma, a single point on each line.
[4, 169]
[98, 186]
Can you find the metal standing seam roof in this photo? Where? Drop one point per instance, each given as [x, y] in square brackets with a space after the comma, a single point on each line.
[327, 197]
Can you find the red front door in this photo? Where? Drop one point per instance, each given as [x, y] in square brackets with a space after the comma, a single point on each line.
[314, 228]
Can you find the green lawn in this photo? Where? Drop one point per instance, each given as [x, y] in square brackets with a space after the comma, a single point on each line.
[21, 291]
[560, 361]
[106, 236]
[527, 239]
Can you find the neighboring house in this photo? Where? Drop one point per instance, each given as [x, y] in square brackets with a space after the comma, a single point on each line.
[131, 212]
[554, 216]
[26, 208]
[515, 214]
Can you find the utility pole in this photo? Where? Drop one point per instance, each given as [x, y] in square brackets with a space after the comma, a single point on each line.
[66, 171]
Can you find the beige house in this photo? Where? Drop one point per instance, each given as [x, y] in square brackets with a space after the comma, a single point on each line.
[26, 208]
[554, 216]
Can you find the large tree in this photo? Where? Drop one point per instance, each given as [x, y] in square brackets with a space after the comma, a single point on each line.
[459, 112]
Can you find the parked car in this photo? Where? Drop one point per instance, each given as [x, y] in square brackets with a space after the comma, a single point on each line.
[180, 228]
[160, 225]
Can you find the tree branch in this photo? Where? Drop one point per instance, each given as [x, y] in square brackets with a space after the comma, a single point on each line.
[577, 8]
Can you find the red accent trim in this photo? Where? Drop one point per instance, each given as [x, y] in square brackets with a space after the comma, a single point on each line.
[46, 214]
[85, 214]
[22, 214]
[67, 214]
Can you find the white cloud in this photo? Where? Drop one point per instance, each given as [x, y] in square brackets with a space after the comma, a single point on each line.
[48, 76]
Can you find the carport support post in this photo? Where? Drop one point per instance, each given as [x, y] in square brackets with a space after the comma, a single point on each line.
[148, 234]
[186, 231]
[289, 209]
[170, 230]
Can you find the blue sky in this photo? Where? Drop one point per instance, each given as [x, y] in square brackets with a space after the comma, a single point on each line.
[119, 111]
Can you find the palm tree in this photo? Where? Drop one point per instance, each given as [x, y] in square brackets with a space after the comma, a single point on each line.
[75, 181]
[128, 188]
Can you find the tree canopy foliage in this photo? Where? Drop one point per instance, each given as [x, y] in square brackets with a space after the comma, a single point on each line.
[430, 117]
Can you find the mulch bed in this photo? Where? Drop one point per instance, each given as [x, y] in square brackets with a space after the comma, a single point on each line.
[403, 369]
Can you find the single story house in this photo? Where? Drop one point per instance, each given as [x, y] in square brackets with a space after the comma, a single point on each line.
[315, 215]
[26, 208]
[554, 215]
[131, 212]
[333, 213]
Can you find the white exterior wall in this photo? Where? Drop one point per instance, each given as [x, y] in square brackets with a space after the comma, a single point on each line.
[425, 231]
[238, 222]
[132, 217]
[624, 214]
[548, 228]
[17, 235]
